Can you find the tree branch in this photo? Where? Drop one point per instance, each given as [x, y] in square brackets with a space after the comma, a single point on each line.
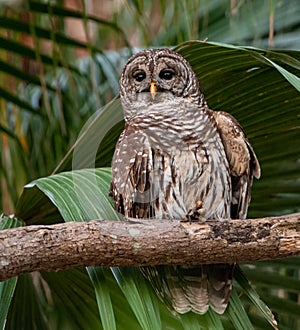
[146, 242]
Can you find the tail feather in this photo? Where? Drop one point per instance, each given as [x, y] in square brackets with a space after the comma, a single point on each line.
[194, 289]
[179, 299]
[194, 282]
[220, 285]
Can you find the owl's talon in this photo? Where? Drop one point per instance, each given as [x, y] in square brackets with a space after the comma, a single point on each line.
[194, 215]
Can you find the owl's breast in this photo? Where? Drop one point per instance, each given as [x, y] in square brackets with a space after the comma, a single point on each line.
[162, 169]
[185, 177]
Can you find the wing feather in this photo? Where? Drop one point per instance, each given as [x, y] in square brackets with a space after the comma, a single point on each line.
[242, 160]
[131, 167]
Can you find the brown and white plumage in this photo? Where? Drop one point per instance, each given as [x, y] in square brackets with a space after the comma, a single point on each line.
[173, 153]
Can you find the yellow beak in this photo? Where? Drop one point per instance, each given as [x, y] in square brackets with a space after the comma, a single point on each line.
[153, 90]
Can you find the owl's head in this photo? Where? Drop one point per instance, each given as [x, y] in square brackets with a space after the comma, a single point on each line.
[158, 76]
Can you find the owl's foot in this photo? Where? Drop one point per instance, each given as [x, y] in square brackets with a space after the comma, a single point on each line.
[195, 214]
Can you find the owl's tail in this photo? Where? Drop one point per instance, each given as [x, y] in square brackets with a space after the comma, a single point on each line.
[193, 289]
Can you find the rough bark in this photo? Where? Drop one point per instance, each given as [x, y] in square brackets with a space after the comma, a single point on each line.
[144, 242]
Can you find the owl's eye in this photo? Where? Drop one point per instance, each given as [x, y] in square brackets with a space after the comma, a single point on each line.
[139, 75]
[167, 74]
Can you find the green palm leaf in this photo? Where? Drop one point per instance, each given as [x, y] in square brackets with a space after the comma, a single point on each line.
[253, 296]
[97, 276]
[138, 296]
[236, 313]
[63, 300]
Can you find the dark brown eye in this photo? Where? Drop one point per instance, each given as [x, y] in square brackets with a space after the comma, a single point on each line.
[139, 75]
[167, 74]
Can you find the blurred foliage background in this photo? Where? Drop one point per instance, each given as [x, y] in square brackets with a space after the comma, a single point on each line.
[60, 61]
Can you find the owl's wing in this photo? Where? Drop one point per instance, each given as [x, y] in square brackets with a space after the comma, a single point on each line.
[243, 165]
[242, 160]
[131, 167]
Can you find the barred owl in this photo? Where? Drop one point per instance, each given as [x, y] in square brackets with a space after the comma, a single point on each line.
[178, 159]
